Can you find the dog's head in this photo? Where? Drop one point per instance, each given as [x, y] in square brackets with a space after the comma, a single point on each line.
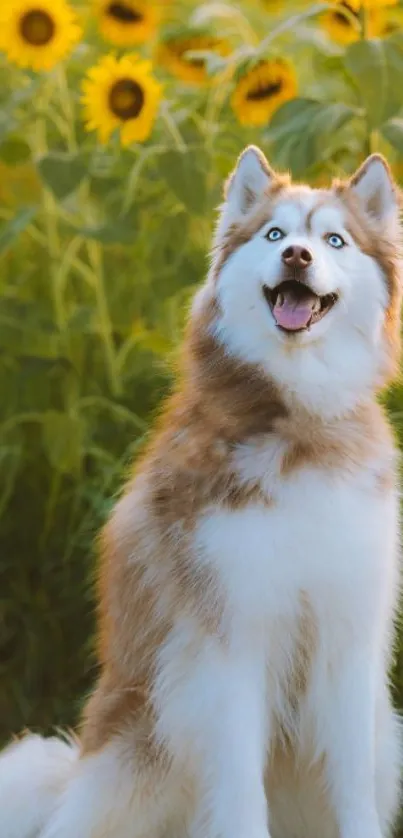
[306, 282]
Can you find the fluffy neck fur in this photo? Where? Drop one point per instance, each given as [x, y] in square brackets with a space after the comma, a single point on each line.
[222, 404]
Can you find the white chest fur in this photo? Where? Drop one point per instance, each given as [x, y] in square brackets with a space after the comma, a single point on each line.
[330, 536]
[308, 584]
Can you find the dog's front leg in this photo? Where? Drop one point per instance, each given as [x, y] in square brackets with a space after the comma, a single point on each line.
[234, 801]
[349, 702]
[220, 713]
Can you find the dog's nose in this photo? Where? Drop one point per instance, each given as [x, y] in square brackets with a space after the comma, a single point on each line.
[297, 257]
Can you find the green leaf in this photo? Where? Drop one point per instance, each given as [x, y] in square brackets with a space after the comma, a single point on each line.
[290, 134]
[121, 231]
[291, 118]
[102, 187]
[14, 150]
[394, 51]
[331, 118]
[62, 436]
[81, 320]
[393, 133]
[26, 339]
[304, 131]
[62, 173]
[376, 67]
[367, 64]
[7, 123]
[150, 339]
[185, 173]
[12, 229]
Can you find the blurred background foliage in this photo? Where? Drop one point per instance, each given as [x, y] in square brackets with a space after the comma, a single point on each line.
[118, 123]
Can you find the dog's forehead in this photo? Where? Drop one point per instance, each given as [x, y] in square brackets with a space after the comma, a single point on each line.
[302, 209]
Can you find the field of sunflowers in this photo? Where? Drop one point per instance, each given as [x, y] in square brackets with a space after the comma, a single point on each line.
[118, 123]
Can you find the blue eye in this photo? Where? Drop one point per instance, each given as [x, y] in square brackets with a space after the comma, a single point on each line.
[335, 240]
[274, 234]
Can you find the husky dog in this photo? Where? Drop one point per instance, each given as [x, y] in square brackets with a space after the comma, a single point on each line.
[249, 572]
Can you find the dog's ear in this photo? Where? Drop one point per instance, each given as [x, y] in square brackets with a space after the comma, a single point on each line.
[248, 182]
[374, 186]
[245, 187]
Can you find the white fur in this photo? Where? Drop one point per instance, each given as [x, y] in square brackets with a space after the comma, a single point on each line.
[108, 797]
[33, 772]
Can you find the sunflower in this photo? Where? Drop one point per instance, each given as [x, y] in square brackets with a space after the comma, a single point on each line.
[121, 94]
[127, 22]
[262, 89]
[345, 26]
[172, 54]
[37, 33]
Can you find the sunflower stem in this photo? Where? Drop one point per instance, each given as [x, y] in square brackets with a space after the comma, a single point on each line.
[205, 12]
[217, 98]
[290, 23]
[95, 256]
[51, 227]
[370, 141]
[68, 109]
[172, 127]
[54, 492]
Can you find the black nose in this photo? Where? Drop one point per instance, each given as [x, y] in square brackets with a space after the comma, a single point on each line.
[297, 257]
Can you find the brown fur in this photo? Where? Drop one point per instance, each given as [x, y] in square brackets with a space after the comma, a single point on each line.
[304, 653]
[341, 444]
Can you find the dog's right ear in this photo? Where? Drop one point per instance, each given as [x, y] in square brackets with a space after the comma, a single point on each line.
[245, 187]
[248, 182]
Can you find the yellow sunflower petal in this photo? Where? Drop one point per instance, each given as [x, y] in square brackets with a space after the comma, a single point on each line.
[344, 26]
[273, 6]
[38, 33]
[126, 22]
[126, 96]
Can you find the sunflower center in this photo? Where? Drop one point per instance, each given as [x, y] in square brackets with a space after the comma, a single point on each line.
[264, 91]
[37, 27]
[126, 99]
[124, 13]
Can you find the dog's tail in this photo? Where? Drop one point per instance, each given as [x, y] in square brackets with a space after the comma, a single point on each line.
[33, 773]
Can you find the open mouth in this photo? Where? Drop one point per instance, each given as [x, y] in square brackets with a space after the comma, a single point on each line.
[295, 307]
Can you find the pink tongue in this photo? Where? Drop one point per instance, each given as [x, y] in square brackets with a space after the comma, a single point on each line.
[293, 314]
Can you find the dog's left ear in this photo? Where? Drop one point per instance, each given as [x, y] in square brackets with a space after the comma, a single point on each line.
[374, 187]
